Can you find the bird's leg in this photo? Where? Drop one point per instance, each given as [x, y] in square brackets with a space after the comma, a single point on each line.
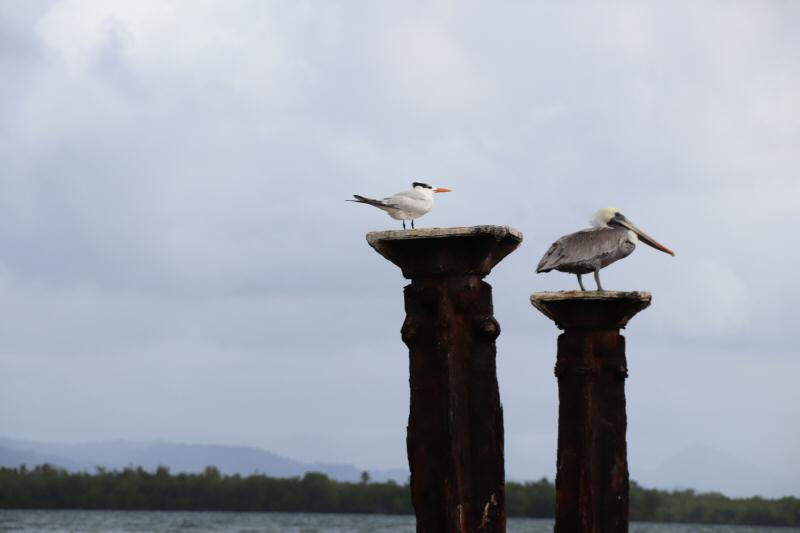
[412, 223]
[597, 279]
[580, 282]
[404, 224]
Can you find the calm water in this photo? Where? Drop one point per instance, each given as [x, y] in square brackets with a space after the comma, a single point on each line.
[195, 522]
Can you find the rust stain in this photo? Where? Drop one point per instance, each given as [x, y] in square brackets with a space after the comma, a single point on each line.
[488, 510]
[455, 425]
[592, 483]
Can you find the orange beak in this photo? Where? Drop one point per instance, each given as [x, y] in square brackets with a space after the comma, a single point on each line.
[441, 189]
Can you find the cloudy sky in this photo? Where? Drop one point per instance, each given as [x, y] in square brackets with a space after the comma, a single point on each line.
[177, 261]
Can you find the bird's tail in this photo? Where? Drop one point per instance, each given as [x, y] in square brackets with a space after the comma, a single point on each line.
[363, 200]
[544, 265]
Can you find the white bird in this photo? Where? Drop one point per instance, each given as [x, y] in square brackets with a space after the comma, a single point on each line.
[405, 205]
[611, 238]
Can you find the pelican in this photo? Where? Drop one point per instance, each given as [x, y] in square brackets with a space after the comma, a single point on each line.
[405, 205]
[611, 238]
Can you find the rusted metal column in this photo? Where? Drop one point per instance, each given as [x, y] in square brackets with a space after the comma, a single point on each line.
[592, 465]
[455, 425]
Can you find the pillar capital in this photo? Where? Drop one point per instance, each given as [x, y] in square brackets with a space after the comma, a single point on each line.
[472, 250]
[590, 309]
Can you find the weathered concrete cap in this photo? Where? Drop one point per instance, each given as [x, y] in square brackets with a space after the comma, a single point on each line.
[434, 251]
[590, 309]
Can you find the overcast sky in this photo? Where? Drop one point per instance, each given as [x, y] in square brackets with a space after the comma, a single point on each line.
[177, 261]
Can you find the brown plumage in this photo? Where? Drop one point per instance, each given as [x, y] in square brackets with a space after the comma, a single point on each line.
[612, 238]
[588, 250]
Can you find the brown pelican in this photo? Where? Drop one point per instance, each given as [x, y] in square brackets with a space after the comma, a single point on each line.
[405, 205]
[612, 237]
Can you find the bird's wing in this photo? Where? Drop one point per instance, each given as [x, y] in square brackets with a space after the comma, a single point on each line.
[371, 201]
[396, 200]
[411, 201]
[583, 249]
[408, 204]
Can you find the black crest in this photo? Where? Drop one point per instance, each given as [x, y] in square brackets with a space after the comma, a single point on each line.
[418, 184]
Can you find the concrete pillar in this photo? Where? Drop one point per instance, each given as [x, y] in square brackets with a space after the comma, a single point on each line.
[592, 465]
[455, 425]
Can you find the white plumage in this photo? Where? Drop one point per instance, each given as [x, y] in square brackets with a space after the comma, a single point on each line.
[408, 205]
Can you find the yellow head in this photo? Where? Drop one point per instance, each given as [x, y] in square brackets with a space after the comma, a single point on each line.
[601, 218]
[610, 217]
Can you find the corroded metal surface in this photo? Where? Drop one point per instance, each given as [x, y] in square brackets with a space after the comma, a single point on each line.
[455, 424]
[590, 309]
[592, 465]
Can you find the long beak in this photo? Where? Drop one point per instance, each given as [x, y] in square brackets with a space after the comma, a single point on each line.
[441, 189]
[644, 237]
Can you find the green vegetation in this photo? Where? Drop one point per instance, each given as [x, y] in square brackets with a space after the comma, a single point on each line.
[46, 487]
[711, 508]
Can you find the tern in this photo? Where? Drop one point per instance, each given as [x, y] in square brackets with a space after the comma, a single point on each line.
[405, 205]
[611, 238]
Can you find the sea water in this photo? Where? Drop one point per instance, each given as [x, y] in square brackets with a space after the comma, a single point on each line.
[226, 522]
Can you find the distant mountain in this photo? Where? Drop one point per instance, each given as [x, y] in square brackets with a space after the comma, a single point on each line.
[13, 458]
[709, 470]
[177, 457]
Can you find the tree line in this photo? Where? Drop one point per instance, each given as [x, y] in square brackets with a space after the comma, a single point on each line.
[48, 487]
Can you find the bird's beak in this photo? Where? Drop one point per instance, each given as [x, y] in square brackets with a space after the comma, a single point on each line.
[441, 189]
[621, 221]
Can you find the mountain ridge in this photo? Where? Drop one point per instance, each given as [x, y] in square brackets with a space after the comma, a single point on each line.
[706, 469]
[178, 457]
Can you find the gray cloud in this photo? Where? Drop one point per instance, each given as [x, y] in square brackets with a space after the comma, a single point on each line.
[173, 224]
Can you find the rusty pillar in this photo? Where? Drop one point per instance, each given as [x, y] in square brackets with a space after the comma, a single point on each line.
[592, 464]
[455, 425]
